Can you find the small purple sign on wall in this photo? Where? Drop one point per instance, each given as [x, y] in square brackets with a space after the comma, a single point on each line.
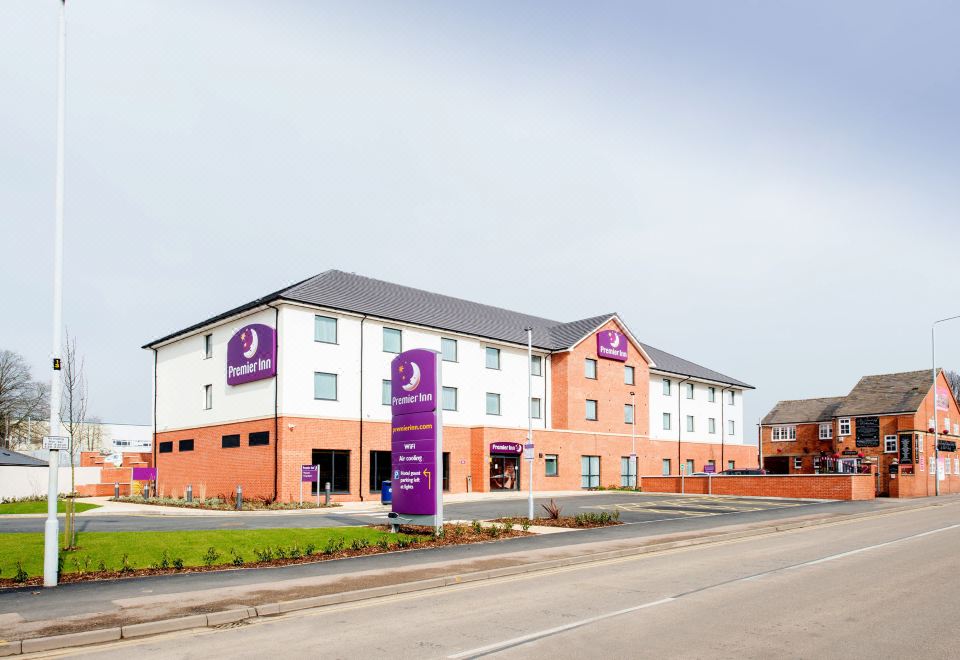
[506, 448]
[415, 433]
[309, 473]
[251, 354]
[144, 474]
[612, 345]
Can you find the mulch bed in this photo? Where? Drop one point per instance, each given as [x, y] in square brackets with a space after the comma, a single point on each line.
[226, 505]
[562, 521]
[453, 535]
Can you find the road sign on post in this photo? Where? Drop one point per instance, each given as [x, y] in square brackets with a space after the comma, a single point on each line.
[58, 442]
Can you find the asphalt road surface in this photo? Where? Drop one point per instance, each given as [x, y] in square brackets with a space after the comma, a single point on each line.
[877, 587]
[635, 508]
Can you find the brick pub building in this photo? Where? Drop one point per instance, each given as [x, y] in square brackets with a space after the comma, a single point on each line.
[301, 377]
[885, 425]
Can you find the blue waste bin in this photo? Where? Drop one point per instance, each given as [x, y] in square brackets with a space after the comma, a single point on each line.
[386, 492]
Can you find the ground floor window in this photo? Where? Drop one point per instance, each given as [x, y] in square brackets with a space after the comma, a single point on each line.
[589, 471]
[798, 463]
[446, 470]
[551, 464]
[665, 467]
[504, 472]
[731, 465]
[628, 472]
[379, 469]
[334, 468]
[691, 466]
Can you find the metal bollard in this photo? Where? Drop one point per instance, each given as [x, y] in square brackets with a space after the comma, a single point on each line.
[239, 497]
[469, 483]
[326, 494]
[188, 495]
[146, 491]
[116, 489]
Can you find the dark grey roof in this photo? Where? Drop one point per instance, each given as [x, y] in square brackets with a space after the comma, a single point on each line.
[9, 457]
[671, 363]
[887, 393]
[364, 295]
[803, 411]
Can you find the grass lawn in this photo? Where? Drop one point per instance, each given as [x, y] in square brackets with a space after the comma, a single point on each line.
[40, 506]
[146, 548]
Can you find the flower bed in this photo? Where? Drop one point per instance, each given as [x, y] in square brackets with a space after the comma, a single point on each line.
[581, 520]
[222, 503]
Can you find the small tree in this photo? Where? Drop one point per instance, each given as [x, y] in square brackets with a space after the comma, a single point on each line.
[73, 408]
[953, 380]
[22, 399]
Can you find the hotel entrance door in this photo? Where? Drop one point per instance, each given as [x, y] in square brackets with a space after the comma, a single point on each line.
[504, 472]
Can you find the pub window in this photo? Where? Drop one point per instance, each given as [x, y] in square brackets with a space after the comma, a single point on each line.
[798, 463]
[826, 431]
[844, 423]
[229, 441]
[334, 468]
[258, 439]
[784, 432]
[165, 447]
[185, 445]
[890, 444]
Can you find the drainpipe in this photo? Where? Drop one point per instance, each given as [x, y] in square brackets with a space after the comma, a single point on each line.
[679, 426]
[722, 427]
[361, 406]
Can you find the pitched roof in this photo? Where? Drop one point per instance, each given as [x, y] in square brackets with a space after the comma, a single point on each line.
[887, 393]
[676, 365]
[364, 295]
[9, 457]
[800, 411]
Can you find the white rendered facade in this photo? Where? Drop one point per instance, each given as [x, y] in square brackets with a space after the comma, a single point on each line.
[679, 407]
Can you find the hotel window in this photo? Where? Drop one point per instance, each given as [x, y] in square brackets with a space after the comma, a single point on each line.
[550, 463]
[711, 425]
[690, 390]
[711, 394]
[449, 398]
[379, 469]
[258, 439]
[535, 408]
[589, 471]
[590, 368]
[844, 423]
[628, 376]
[798, 463]
[386, 393]
[334, 468]
[628, 473]
[731, 427]
[493, 403]
[207, 346]
[325, 329]
[448, 348]
[731, 465]
[207, 397]
[890, 444]
[690, 423]
[591, 410]
[165, 447]
[691, 467]
[493, 358]
[665, 467]
[784, 433]
[324, 386]
[536, 365]
[666, 387]
[628, 414]
[230, 441]
[826, 431]
[666, 421]
[732, 399]
[392, 340]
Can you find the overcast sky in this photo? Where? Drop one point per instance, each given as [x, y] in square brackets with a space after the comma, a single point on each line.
[768, 189]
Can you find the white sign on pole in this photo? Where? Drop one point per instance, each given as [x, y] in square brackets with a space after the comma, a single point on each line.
[59, 442]
[528, 451]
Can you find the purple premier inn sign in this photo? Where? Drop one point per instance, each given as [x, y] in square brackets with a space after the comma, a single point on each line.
[506, 448]
[612, 345]
[416, 432]
[251, 354]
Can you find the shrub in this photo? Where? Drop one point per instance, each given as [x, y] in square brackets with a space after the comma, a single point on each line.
[101, 566]
[553, 509]
[263, 555]
[334, 545]
[125, 566]
[237, 558]
[310, 549]
[525, 525]
[20, 575]
[494, 530]
[403, 542]
[82, 564]
[281, 552]
[477, 527]
[508, 526]
[359, 544]
[178, 563]
[383, 544]
[211, 556]
[295, 551]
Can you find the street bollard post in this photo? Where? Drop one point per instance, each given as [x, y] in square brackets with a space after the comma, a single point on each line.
[326, 494]
[188, 495]
[239, 497]
[116, 489]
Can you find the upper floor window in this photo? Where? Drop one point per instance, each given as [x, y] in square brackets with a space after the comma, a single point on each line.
[325, 329]
[324, 386]
[690, 424]
[449, 398]
[666, 387]
[493, 358]
[628, 414]
[628, 375]
[386, 392]
[732, 397]
[590, 368]
[493, 403]
[711, 425]
[666, 421]
[690, 390]
[207, 346]
[826, 431]
[731, 427]
[207, 397]
[890, 444]
[844, 424]
[711, 394]
[591, 410]
[536, 365]
[535, 408]
[784, 433]
[392, 340]
[448, 348]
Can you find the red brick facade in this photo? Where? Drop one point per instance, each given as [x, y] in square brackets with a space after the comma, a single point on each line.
[826, 486]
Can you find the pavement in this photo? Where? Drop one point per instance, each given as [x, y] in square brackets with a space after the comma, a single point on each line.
[26, 613]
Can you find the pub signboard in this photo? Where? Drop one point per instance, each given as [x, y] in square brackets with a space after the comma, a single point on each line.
[906, 448]
[946, 445]
[868, 431]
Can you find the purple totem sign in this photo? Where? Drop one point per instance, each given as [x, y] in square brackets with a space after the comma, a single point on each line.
[612, 345]
[251, 354]
[144, 474]
[416, 433]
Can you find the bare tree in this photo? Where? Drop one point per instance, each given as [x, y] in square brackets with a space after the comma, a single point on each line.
[73, 407]
[953, 380]
[21, 397]
[93, 436]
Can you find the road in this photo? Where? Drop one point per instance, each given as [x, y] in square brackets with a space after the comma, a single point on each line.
[883, 586]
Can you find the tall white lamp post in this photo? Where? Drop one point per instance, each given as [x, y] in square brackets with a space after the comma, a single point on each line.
[936, 420]
[633, 438]
[528, 449]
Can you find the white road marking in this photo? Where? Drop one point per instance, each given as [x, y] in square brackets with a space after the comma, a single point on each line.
[871, 547]
[483, 650]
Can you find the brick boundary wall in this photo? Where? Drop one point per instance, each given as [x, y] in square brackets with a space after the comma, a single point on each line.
[804, 486]
[921, 484]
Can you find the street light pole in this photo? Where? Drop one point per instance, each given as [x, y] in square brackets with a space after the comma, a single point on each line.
[529, 448]
[936, 421]
[50, 527]
[633, 438]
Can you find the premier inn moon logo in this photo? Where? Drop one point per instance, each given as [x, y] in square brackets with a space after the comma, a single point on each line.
[251, 354]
